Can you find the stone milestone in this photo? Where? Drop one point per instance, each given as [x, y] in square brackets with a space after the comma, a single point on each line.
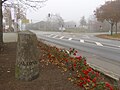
[27, 64]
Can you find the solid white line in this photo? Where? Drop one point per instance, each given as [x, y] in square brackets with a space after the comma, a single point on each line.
[61, 37]
[82, 41]
[70, 39]
[55, 36]
[99, 44]
[119, 46]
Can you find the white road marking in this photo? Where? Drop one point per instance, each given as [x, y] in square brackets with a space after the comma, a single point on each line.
[55, 36]
[50, 35]
[82, 41]
[61, 37]
[99, 44]
[70, 39]
[118, 46]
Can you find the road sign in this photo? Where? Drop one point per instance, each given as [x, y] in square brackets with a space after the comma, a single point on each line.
[25, 21]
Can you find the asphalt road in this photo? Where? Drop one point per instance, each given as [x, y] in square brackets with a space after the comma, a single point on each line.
[105, 50]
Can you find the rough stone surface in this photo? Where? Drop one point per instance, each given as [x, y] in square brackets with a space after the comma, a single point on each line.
[119, 84]
[27, 64]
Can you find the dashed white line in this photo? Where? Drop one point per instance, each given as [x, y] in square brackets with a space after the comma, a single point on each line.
[70, 39]
[99, 44]
[55, 36]
[61, 37]
[50, 35]
[82, 41]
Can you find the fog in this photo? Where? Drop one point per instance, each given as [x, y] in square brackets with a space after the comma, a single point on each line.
[69, 10]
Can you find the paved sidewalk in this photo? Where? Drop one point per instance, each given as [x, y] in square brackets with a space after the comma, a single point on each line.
[10, 37]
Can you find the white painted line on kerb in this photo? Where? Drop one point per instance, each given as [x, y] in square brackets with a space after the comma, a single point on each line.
[61, 37]
[99, 44]
[50, 35]
[82, 41]
[70, 39]
[55, 36]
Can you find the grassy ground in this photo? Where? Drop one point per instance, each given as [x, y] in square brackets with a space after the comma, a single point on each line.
[112, 37]
[75, 30]
[70, 30]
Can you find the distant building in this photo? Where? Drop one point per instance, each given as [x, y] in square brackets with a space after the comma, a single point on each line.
[70, 24]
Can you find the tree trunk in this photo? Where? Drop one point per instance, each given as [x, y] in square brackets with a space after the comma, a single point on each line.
[112, 28]
[27, 63]
[116, 27]
[10, 23]
[1, 26]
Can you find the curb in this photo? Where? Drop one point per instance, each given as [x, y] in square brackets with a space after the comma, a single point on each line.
[106, 72]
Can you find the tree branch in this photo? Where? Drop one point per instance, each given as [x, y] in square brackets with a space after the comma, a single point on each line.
[4, 1]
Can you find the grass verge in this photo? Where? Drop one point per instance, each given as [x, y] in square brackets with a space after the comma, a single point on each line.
[107, 36]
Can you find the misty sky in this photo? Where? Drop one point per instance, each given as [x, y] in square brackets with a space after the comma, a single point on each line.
[69, 10]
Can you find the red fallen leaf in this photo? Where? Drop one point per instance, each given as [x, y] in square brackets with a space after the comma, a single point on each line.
[74, 54]
[97, 74]
[74, 64]
[79, 57]
[76, 51]
[88, 80]
[90, 69]
[94, 80]
[108, 85]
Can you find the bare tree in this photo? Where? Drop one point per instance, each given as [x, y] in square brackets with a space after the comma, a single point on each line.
[54, 21]
[83, 21]
[12, 20]
[1, 25]
[27, 3]
[96, 26]
[7, 18]
[110, 12]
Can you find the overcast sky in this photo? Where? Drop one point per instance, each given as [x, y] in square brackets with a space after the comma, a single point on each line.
[69, 10]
